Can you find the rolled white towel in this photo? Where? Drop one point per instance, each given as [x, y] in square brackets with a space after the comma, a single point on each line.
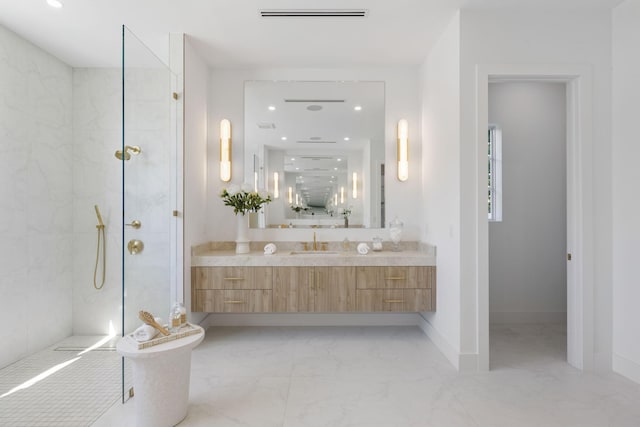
[270, 249]
[363, 248]
[146, 332]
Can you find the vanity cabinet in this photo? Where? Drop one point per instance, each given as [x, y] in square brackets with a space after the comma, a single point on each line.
[231, 289]
[314, 289]
[306, 289]
[401, 288]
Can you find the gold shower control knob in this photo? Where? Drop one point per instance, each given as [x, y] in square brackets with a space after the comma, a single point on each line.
[135, 224]
[135, 246]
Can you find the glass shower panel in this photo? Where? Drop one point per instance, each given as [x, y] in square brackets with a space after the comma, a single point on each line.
[148, 139]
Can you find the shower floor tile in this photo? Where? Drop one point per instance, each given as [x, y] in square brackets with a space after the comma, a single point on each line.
[61, 385]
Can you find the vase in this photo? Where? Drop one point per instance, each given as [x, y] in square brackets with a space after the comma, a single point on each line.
[346, 222]
[242, 234]
[395, 234]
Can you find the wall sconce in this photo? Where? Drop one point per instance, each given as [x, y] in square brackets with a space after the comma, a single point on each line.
[290, 195]
[355, 185]
[297, 199]
[342, 195]
[225, 150]
[276, 188]
[335, 199]
[403, 150]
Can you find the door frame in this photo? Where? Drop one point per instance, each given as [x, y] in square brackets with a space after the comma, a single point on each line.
[579, 144]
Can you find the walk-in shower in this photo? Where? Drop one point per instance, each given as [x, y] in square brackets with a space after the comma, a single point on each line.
[69, 304]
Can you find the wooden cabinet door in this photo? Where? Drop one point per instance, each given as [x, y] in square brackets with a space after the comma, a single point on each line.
[397, 277]
[234, 301]
[231, 277]
[398, 300]
[334, 289]
[292, 288]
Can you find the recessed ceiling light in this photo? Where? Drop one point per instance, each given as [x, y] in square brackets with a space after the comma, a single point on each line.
[335, 169]
[339, 159]
[55, 3]
[293, 158]
[271, 107]
[357, 108]
[297, 169]
[346, 138]
[284, 138]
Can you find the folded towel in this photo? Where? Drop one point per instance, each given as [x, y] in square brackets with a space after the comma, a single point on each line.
[146, 332]
[270, 249]
[363, 248]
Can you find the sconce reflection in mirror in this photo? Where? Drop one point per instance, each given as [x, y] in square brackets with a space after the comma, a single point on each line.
[403, 150]
[225, 150]
[276, 185]
[355, 185]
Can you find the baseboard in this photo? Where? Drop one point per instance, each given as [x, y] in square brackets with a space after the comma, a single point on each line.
[527, 317]
[310, 319]
[626, 367]
[443, 345]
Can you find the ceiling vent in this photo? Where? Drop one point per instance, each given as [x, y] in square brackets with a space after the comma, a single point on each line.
[312, 101]
[316, 142]
[314, 13]
[266, 125]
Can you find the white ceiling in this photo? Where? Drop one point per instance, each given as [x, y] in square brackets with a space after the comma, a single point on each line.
[230, 33]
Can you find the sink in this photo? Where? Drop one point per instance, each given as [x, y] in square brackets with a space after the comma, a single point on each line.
[314, 253]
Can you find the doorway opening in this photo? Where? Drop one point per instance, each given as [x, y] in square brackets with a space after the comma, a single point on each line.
[579, 208]
[527, 222]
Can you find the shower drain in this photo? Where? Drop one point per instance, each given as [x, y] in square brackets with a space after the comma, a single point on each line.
[84, 348]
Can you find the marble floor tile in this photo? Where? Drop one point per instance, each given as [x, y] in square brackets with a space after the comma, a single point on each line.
[392, 377]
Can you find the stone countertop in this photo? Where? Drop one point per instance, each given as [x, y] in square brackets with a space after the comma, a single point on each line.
[228, 258]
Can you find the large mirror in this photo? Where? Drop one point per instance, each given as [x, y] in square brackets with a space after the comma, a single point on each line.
[318, 148]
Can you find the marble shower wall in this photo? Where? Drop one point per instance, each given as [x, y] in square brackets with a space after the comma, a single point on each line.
[147, 191]
[35, 198]
[59, 130]
[97, 179]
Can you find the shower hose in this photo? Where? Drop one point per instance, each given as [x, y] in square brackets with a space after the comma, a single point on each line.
[100, 229]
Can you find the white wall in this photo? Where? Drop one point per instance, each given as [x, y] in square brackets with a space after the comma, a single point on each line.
[195, 160]
[441, 183]
[626, 176]
[402, 101]
[517, 37]
[35, 198]
[527, 266]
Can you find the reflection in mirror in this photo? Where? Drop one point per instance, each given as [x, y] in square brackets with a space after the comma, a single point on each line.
[321, 144]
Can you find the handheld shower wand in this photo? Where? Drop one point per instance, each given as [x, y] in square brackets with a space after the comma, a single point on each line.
[101, 236]
[100, 223]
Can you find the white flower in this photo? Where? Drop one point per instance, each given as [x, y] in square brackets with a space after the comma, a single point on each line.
[263, 194]
[233, 189]
[246, 187]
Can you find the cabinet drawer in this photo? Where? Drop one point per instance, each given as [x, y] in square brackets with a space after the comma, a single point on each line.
[231, 277]
[402, 277]
[412, 300]
[233, 301]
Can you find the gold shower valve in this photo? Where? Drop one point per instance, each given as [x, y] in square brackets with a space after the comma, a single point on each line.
[135, 224]
[135, 246]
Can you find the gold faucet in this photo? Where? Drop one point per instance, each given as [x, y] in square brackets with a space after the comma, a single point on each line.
[315, 242]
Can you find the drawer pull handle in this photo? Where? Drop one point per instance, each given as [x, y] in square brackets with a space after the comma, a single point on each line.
[395, 278]
[234, 278]
[234, 301]
[393, 300]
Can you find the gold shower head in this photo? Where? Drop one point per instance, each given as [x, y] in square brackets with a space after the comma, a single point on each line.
[128, 149]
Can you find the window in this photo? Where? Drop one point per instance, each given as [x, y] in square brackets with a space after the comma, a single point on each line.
[495, 173]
